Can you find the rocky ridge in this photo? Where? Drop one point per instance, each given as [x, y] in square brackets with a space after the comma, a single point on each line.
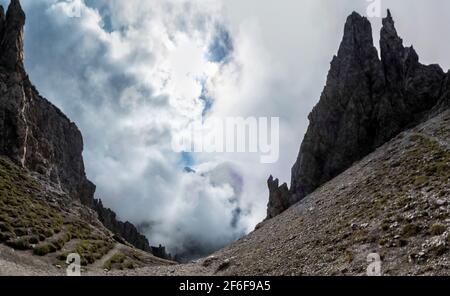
[37, 136]
[366, 102]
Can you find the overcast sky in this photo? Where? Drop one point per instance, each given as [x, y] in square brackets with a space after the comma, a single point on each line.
[132, 73]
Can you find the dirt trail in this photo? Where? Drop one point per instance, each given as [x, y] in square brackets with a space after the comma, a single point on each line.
[101, 262]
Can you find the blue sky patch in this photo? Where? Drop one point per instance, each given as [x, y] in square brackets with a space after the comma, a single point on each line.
[221, 47]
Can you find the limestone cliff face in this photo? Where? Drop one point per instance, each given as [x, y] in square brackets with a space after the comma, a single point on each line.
[365, 103]
[37, 135]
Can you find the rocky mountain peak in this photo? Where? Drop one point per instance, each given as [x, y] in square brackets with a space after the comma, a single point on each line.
[357, 34]
[365, 103]
[12, 36]
[390, 42]
[356, 51]
[395, 57]
[389, 24]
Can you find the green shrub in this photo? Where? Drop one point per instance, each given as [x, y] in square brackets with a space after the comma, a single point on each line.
[421, 181]
[117, 258]
[437, 229]
[5, 236]
[410, 230]
[19, 244]
[128, 265]
[6, 227]
[62, 256]
[349, 256]
[33, 240]
[44, 249]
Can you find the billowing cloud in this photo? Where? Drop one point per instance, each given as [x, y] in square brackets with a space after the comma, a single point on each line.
[133, 73]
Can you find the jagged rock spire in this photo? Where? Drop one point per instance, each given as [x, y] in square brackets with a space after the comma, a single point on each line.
[339, 120]
[414, 85]
[12, 36]
[397, 59]
[279, 198]
[389, 24]
[357, 36]
[364, 104]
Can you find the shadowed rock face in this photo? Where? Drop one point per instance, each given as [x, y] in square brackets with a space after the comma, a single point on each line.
[37, 135]
[444, 103]
[365, 103]
[278, 198]
[125, 229]
[11, 28]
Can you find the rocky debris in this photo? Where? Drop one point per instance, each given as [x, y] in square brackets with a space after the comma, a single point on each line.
[365, 103]
[36, 135]
[209, 261]
[223, 265]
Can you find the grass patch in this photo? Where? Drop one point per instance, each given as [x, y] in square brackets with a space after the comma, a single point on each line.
[44, 249]
[80, 230]
[128, 265]
[22, 213]
[349, 256]
[120, 261]
[421, 181]
[410, 230]
[19, 244]
[437, 229]
[385, 226]
[92, 250]
[29, 221]
[116, 259]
